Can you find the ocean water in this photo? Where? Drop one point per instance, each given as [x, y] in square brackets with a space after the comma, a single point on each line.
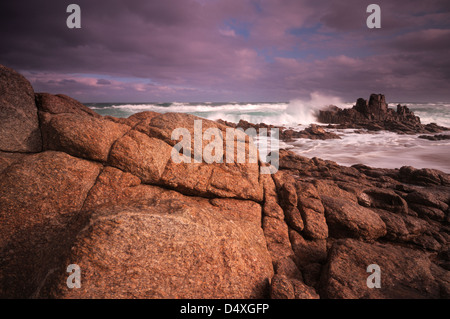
[377, 149]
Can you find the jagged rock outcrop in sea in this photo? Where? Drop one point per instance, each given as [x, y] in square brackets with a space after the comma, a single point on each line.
[313, 132]
[375, 115]
[105, 194]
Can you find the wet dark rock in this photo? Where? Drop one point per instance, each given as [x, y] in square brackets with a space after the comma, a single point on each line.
[437, 137]
[423, 177]
[313, 132]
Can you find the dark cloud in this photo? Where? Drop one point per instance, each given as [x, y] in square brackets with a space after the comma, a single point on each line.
[229, 49]
[103, 82]
[431, 40]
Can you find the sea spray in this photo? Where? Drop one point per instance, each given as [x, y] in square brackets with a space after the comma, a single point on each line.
[304, 111]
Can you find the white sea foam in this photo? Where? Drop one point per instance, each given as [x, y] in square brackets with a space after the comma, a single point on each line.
[285, 113]
[203, 107]
[381, 149]
[432, 112]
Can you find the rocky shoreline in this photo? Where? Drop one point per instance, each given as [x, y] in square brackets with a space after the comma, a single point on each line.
[313, 132]
[103, 193]
[365, 116]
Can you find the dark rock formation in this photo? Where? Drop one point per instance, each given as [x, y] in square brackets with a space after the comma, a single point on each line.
[105, 194]
[313, 132]
[437, 137]
[375, 115]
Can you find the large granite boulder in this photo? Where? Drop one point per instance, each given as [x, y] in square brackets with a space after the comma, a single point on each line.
[176, 248]
[60, 104]
[79, 135]
[19, 129]
[144, 241]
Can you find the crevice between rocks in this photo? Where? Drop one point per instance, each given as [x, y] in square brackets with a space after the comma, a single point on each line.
[20, 152]
[39, 121]
[126, 133]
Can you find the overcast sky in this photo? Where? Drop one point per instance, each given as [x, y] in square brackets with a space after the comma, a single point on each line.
[230, 50]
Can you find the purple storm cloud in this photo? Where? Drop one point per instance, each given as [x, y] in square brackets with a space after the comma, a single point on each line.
[229, 50]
